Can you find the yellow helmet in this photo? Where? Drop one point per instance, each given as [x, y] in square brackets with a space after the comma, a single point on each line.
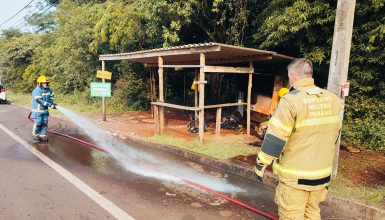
[282, 92]
[42, 79]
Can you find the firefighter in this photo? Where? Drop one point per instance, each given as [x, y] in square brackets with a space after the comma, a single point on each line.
[300, 143]
[42, 98]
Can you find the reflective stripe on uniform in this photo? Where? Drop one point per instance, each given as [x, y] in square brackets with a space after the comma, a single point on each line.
[318, 121]
[258, 172]
[37, 97]
[37, 110]
[281, 126]
[34, 129]
[302, 173]
[45, 93]
[264, 158]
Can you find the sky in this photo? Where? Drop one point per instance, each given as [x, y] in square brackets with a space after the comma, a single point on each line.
[8, 8]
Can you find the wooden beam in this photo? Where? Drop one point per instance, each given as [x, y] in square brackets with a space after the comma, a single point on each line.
[227, 69]
[218, 121]
[199, 82]
[249, 87]
[240, 59]
[181, 66]
[225, 105]
[161, 95]
[197, 108]
[202, 97]
[169, 105]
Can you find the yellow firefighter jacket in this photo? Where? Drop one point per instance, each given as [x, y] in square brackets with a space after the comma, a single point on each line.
[301, 136]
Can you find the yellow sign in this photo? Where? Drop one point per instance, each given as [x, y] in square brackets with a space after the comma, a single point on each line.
[103, 74]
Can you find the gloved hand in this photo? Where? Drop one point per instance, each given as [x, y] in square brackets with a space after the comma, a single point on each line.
[259, 169]
[53, 105]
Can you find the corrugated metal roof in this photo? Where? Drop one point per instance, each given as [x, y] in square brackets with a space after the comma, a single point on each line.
[162, 49]
[215, 53]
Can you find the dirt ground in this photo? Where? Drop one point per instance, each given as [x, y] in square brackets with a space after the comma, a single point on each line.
[141, 124]
[365, 168]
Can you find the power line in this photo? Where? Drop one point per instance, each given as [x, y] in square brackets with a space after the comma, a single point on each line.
[17, 24]
[22, 18]
[17, 12]
[22, 24]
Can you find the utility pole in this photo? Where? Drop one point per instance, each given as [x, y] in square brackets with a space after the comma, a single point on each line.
[339, 62]
[104, 98]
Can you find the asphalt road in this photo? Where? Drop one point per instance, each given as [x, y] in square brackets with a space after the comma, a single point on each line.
[66, 180]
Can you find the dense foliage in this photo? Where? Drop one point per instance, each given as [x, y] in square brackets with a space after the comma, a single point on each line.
[68, 40]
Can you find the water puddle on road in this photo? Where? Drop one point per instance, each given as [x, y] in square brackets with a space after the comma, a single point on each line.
[144, 163]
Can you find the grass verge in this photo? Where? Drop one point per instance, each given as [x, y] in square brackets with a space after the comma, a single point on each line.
[78, 102]
[21, 99]
[218, 147]
[369, 195]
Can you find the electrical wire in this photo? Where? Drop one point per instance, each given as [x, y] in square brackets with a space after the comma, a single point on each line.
[22, 24]
[17, 13]
[18, 22]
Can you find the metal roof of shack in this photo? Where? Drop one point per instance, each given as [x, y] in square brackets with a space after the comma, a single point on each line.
[216, 53]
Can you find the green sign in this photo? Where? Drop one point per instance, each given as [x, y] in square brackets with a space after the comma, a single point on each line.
[99, 89]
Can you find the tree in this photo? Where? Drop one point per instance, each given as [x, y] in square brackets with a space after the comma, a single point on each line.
[43, 19]
[305, 28]
[65, 55]
[17, 51]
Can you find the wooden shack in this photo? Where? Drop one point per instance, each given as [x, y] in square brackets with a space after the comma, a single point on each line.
[211, 58]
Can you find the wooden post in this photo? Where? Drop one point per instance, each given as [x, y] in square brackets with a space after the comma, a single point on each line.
[161, 95]
[218, 121]
[249, 87]
[202, 97]
[196, 96]
[339, 61]
[152, 92]
[156, 119]
[184, 89]
[104, 98]
[154, 85]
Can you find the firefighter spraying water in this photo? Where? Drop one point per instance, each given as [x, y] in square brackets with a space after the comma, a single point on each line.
[42, 99]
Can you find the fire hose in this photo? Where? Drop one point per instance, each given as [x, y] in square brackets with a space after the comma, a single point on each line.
[188, 182]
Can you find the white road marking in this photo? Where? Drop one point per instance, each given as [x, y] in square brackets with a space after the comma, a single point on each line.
[91, 193]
